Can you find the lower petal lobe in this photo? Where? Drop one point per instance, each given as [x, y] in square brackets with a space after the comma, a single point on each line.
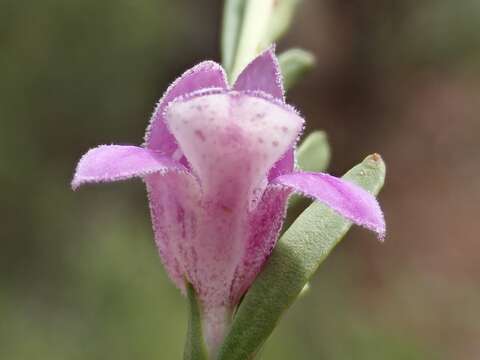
[109, 163]
[349, 200]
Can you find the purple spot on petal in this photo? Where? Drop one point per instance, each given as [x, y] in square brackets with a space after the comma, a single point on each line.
[200, 134]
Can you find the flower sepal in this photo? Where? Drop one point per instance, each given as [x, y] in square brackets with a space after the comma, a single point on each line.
[195, 347]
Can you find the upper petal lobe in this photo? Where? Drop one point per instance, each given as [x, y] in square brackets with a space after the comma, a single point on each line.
[207, 74]
[263, 74]
[230, 137]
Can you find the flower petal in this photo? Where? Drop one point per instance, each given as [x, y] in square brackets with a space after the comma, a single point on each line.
[349, 200]
[207, 74]
[175, 208]
[283, 166]
[263, 74]
[232, 137]
[109, 163]
[231, 141]
[264, 225]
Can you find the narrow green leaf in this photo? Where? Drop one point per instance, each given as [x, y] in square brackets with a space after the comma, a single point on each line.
[305, 290]
[254, 25]
[280, 20]
[295, 64]
[294, 260]
[313, 154]
[233, 13]
[195, 346]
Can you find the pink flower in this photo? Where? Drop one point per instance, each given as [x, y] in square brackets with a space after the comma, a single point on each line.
[218, 163]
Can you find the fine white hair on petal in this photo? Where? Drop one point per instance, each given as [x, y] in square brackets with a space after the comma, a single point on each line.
[346, 198]
[203, 75]
[194, 94]
[174, 201]
[108, 163]
[252, 93]
[209, 124]
[288, 107]
[262, 73]
[231, 140]
[272, 99]
[278, 72]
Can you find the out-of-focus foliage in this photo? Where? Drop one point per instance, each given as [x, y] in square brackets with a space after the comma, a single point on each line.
[79, 273]
[233, 13]
[295, 65]
[280, 20]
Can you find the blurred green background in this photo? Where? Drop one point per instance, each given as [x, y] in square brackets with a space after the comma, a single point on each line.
[79, 273]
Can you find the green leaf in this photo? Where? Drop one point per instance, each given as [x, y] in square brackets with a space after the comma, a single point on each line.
[250, 26]
[253, 28]
[195, 348]
[233, 13]
[294, 260]
[305, 290]
[313, 154]
[280, 20]
[295, 64]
